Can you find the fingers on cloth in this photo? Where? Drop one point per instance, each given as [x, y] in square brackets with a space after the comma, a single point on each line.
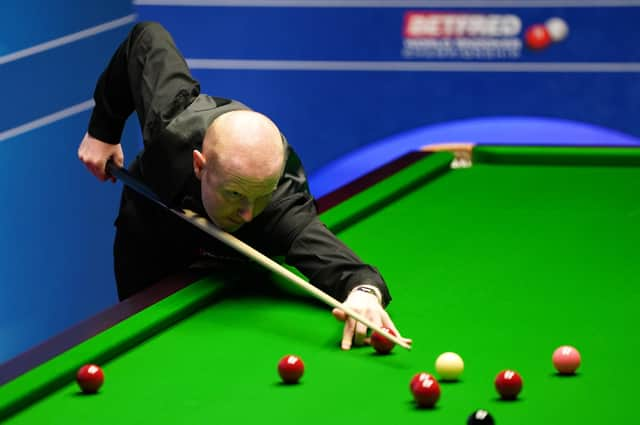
[339, 314]
[360, 333]
[347, 334]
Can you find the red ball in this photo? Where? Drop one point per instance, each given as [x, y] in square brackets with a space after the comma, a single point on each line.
[90, 378]
[425, 389]
[290, 369]
[417, 378]
[382, 344]
[509, 384]
[537, 37]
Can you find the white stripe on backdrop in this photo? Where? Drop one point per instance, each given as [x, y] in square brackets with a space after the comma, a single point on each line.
[399, 66]
[46, 120]
[52, 44]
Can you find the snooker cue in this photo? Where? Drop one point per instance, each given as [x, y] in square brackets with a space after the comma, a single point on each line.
[208, 227]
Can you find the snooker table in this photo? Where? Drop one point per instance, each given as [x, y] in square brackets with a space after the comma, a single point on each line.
[527, 249]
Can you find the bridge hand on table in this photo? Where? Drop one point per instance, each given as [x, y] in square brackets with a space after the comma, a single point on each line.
[367, 305]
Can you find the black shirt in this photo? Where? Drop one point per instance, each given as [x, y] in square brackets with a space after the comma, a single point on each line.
[149, 75]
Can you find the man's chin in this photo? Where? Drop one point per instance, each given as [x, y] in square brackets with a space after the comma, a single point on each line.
[232, 227]
[227, 225]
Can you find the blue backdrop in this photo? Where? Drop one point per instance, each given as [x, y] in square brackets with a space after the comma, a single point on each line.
[55, 220]
[352, 83]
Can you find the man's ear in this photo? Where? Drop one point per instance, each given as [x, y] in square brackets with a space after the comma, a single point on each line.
[199, 162]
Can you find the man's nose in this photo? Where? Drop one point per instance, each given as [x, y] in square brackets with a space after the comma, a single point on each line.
[246, 213]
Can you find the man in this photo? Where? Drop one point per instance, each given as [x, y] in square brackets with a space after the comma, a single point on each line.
[217, 157]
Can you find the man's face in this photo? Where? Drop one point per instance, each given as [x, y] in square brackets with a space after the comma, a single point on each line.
[242, 159]
[231, 200]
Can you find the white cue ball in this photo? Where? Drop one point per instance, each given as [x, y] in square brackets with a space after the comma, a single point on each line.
[449, 366]
[557, 28]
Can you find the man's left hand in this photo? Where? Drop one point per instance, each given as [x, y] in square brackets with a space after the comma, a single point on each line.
[367, 305]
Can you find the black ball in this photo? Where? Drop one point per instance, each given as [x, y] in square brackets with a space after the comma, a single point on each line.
[480, 417]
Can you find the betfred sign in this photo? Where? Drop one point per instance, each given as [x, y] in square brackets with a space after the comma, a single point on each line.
[460, 25]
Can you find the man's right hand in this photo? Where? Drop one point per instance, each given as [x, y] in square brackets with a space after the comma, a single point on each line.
[95, 153]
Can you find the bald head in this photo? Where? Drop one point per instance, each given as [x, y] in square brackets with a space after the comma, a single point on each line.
[246, 143]
[241, 162]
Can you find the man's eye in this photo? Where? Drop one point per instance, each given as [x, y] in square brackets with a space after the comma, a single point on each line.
[234, 195]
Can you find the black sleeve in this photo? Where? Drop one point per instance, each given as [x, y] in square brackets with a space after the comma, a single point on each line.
[146, 74]
[330, 264]
[290, 226]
